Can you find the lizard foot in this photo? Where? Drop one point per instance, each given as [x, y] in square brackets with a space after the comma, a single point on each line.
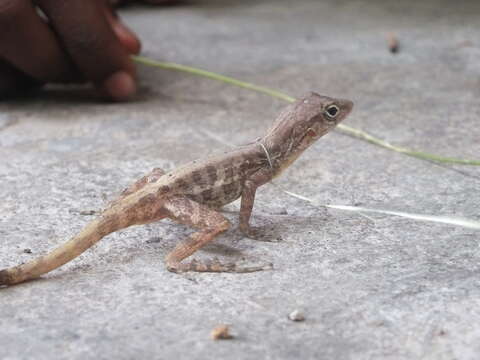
[216, 266]
[258, 233]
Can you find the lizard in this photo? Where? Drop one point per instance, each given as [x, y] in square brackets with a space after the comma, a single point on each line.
[194, 193]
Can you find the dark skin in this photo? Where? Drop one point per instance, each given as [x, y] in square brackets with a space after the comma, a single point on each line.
[74, 41]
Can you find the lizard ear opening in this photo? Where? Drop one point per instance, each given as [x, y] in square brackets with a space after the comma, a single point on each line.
[311, 132]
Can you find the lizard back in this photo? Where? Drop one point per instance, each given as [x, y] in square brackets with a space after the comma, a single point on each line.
[216, 180]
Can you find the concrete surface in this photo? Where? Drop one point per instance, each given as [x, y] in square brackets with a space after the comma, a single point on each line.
[370, 288]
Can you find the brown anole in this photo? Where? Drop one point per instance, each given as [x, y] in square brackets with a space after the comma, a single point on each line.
[193, 193]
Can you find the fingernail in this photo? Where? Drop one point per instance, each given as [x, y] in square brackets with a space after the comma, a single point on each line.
[127, 37]
[120, 86]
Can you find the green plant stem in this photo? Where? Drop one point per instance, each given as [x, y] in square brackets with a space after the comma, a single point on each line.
[359, 134]
[214, 76]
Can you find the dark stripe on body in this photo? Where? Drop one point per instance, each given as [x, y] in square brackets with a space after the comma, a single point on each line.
[212, 173]
[197, 177]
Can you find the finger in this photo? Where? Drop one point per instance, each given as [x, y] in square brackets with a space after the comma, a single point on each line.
[13, 82]
[128, 39]
[92, 44]
[29, 44]
[163, 2]
[116, 2]
[153, 2]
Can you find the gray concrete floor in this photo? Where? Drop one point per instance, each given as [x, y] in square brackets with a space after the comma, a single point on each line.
[371, 288]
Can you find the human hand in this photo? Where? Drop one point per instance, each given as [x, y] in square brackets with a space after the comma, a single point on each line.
[71, 41]
[153, 2]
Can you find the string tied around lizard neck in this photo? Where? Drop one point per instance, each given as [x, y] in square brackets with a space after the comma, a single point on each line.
[267, 154]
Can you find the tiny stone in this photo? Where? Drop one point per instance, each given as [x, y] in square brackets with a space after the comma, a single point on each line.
[393, 45]
[153, 240]
[27, 251]
[221, 332]
[466, 43]
[296, 315]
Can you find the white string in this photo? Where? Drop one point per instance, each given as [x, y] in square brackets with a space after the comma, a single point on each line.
[266, 153]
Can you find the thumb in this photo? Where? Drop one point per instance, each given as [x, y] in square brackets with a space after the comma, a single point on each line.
[126, 36]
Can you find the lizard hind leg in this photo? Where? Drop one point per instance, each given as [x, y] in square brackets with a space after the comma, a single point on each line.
[210, 224]
[151, 177]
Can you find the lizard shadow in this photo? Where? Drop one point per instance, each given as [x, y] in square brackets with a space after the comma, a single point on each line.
[47, 99]
[222, 249]
[22, 284]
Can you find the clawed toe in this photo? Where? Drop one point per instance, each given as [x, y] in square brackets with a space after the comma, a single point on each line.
[216, 266]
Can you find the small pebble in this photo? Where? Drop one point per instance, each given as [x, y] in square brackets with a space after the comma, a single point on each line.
[296, 315]
[393, 44]
[466, 43]
[153, 240]
[221, 332]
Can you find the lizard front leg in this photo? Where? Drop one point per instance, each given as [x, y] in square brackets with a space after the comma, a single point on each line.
[210, 224]
[248, 198]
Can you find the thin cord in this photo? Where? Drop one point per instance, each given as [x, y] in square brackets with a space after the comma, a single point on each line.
[266, 153]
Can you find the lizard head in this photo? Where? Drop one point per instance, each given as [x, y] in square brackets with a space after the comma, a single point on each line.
[314, 116]
[302, 123]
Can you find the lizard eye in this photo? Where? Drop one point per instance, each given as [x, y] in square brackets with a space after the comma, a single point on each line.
[332, 111]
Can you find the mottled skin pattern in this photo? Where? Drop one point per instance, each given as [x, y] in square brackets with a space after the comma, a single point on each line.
[192, 194]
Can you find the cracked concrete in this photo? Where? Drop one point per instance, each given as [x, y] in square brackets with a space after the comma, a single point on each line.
[370, 288]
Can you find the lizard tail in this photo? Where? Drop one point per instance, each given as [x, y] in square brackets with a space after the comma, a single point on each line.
[92, 233]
